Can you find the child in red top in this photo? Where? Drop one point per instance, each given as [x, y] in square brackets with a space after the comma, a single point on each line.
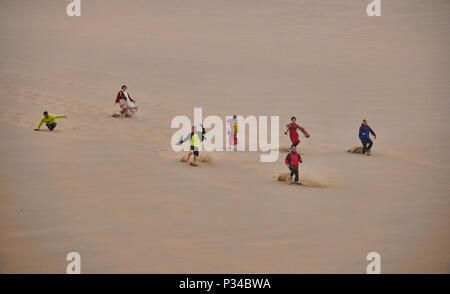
[292, 128]
[292, 160]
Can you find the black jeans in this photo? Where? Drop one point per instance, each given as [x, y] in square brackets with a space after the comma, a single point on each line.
[364, 143]
[294, 171]
[51, 126]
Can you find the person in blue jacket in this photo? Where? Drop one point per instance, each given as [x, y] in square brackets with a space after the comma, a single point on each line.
[364, 135]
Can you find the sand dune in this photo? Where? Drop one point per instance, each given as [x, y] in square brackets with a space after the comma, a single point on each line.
[114, 190]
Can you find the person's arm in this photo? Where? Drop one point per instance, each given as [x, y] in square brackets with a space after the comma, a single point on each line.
[39, 125]
[287, 160]
[202, 135]
[131, 99]
[304, 131]
[300, 159]
[372, 132]
[360, 131]
[287, 129]
[184, 140]
[59, 116]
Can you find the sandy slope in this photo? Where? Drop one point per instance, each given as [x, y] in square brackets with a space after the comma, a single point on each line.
[113, 190]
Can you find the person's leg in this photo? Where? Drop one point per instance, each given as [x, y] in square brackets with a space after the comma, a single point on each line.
[296, 174]
[370, 144]
[51, 127]
[364, 143]
[189, 155]
[196, 154]
[291, 168]
[123, 107]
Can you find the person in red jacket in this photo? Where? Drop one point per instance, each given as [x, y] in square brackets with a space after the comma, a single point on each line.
[292, 160]
[292, 129]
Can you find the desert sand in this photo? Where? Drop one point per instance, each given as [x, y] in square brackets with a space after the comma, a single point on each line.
[114, 191]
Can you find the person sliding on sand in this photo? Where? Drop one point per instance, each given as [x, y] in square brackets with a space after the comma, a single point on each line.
[127, 104]
[195, 141]
[364, 136]
[292, 160]
[49, 120]
[292, 128]
[232, 132]
[235, 130]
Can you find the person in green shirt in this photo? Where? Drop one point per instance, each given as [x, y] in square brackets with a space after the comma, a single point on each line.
[195, 139]
[49, 120]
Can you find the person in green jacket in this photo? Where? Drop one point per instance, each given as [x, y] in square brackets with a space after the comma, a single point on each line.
[49, 120]
[195, 141]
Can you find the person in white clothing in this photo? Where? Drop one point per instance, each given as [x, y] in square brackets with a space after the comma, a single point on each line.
[127, 104]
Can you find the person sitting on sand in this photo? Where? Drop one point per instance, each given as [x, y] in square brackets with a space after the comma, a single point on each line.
[195, 141]
[49, 120]
[292, 160]
[292, 128]
[364, 136]
[127, 104]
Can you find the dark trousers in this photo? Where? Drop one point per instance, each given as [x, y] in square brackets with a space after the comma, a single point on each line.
[294, 171]
[51, 126]
[364, 143]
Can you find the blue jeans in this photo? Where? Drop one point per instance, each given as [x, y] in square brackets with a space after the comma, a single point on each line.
[51, 126]
[366, 141]
[294, 171]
